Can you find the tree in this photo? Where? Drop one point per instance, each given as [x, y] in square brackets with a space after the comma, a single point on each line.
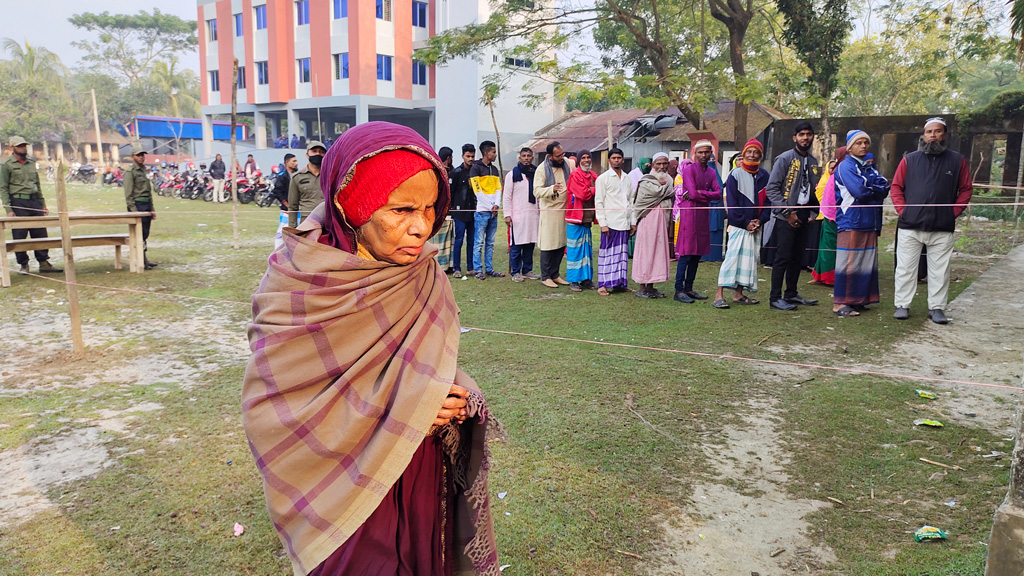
[180, 86]
[34, 100]
[130, 44]
[817, 30]
[736, 15]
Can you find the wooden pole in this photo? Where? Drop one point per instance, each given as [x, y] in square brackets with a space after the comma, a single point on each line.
[234, 161]
[69, 261]
[497, 136]
[99, 142]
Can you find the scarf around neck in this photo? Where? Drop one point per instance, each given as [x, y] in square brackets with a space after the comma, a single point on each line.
[528, 171]
[549, 171]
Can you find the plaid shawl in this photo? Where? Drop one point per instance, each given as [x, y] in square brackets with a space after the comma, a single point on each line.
[351, 361]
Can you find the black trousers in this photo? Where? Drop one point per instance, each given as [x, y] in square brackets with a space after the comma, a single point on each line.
[551, 263]
[22, 207]
[141, 206]
[686, 272]
[789, 257]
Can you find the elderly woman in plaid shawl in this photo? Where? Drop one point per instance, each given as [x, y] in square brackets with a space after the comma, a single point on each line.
[371, 442]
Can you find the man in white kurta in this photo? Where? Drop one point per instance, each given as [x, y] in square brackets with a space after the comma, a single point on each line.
[522, 216]
[549, 187]
[615, 213]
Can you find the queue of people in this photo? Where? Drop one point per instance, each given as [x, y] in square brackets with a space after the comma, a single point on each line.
[824, 218]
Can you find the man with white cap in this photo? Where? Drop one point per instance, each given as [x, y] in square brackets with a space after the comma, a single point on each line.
[698, 190]
[930, 190]
[22, 196]
[790, 189]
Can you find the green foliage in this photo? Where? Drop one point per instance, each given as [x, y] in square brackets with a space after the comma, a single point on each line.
[118, 105]
[128, 45]
[1006, 105]
[34, 100]
[818, 32]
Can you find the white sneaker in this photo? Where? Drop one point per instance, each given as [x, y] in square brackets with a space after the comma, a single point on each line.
[518, 278]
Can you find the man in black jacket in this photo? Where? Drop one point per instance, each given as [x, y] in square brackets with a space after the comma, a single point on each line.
[280, 192]
[463, 211]
[217, 170]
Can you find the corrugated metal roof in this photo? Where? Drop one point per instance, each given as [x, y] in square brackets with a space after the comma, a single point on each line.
[721, 122]
[585, 131]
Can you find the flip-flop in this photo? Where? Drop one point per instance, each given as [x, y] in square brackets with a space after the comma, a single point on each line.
[846, 312]
[746, 300]
[602, 291]
[721, 304]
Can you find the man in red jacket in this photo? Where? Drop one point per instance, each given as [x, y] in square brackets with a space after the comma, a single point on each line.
[930, 190]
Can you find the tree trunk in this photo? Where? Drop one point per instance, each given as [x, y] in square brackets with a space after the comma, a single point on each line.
[826, 133]
[737, 30]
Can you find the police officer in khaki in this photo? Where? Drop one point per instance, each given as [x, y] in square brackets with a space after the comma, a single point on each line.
[22, 196]
[304, 192]
[138, 194]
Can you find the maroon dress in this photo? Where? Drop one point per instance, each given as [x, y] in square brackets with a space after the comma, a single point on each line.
[410, 533]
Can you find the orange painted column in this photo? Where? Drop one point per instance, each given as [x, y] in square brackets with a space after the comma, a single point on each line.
[248, 30]
[402, 74]
[281, 49]
[204, 76]
[225, 48]
[320, 56]
[362, 48]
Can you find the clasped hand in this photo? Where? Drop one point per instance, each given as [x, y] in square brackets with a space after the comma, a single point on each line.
[454, 407]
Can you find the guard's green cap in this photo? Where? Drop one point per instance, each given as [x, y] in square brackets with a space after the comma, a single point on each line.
[17, 141]
[138, 149]
[315, 144]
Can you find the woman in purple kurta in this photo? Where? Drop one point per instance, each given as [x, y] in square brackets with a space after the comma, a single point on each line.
[698, 189]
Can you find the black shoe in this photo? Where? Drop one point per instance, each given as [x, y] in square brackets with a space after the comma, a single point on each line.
[781, 304]
[696, 295]
[938, 316]
[645, 293]
[23, 270]
[495, 274]
[683, 297]
[798, 299]
[901, 313]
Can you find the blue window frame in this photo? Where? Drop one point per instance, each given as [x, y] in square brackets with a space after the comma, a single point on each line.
[302, 12]
[384, 67]
[303, 70]
[383, 9]
[340, 9]
[261, 17]
[214, 81]
[419, 73]
[239, 30]
[241, 77]
[262, 73]
[211, 26]
[419, 14]
[341, 66]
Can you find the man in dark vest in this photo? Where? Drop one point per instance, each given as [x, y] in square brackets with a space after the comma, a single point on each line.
[930, 190]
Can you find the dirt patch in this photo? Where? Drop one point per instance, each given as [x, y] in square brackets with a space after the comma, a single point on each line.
[744, 515]
[30, 470]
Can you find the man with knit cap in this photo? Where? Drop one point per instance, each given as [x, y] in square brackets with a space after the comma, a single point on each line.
[790, 189]
[304, 192]
[930, 190]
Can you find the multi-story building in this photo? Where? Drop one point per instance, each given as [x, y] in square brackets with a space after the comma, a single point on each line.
[350, 61]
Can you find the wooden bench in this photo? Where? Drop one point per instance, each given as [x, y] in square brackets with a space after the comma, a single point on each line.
[54, 243]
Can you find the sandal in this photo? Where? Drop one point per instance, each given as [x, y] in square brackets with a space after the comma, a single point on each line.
[721, 304]
[602, 291]
[846, 312]
[746, 300]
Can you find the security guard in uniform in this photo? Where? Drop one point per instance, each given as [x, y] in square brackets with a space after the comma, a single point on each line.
[22, 196]
[138, 194]
[304, 192]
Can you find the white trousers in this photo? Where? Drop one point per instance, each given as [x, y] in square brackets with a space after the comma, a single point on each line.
[908, 255]
[218, 191]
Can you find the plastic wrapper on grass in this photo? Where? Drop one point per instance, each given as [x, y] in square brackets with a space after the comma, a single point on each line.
[929, 533]
[928, 422]
[925, 394]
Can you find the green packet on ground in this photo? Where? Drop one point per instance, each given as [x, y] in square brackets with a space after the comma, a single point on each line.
[927, 422]
[925, 394]
[929, 533]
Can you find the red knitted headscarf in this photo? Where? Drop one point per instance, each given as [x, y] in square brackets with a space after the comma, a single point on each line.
[751, 167]
[375, 178]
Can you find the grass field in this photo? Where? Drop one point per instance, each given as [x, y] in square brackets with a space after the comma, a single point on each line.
[603, 441]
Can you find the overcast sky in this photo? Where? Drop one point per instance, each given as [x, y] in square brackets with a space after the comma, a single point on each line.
[45, 22]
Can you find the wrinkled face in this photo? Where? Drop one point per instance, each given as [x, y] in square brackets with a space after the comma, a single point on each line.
[702, 154]
[660, 165]
[615, 161]
[804, 138]
[398, 230]
[586, 161]
[934, 132]
[526, 157]
[752, 156]
[859, 148]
